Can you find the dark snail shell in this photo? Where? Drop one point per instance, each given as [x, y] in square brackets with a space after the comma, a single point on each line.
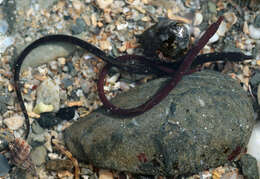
[20, 154]
[169, 37]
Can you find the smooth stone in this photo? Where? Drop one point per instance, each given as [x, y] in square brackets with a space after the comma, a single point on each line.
[197, 126]
[14, 122]
[49, 93]
[249, 167]
[257, 21]
[46, 53]
[79, 27]
[4, 166]
[38, 155]
[36, 128]
[3, 27]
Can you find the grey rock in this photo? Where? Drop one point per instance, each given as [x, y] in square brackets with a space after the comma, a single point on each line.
[197, 126]
[4, 166]
[79, 27]
[36, 128]
[249, 166]
[257, 21]
[46, 88]
[5, 138]
[38, 155]
[3, 103]
[212, 7]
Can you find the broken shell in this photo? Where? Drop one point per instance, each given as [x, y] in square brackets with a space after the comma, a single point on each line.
[230, 17]
[254, 32]
[198, 19]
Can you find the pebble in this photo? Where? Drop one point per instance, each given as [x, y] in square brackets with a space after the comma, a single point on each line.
[3, 27]
[230, 17]
[4, 166]
[212, 7]
[79, 27]
[105, 174]
[257, 21]
[254, 32]
[38, 155]
[103, 4]
[14, 122]
[77, 5]
[48, 94]
[249, 166]
[3, 103]
[36, 128]
[5, 42]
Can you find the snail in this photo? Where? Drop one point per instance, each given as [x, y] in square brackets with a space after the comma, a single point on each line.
[168, 37]
[20, 155]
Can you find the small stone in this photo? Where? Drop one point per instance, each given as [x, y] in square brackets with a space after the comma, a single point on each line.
[5, 42]
[3, 27]
[14, 122]
[254, 32]
[79, 27]
[212, 7]
[86, 171]
[105, 174]
[36, 128]
[257, 21]
[48, 93]
[66, 82]
[230, 17]
[77, 5]
[249, 166]
[38, 155]
[103, 4]
[4, 166]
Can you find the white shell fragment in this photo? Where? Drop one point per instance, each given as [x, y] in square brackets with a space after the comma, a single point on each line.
[104, 3]
[14, 122]
[214, 38]
[254, 32]
[222, 29]
[198, 19]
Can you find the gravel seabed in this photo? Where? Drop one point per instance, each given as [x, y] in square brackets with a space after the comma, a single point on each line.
[111, 25]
